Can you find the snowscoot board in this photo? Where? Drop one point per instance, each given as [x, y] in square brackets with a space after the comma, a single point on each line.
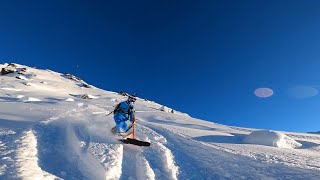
[131, 139]
[135, 142]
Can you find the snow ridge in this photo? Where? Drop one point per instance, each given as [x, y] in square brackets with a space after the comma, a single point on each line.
[27, 158]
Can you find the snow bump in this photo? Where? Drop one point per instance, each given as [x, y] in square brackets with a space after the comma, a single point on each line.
[32, 99]
[69, 100]
[271, 138]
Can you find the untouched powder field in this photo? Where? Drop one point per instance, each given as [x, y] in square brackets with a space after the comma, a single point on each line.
[55, 126]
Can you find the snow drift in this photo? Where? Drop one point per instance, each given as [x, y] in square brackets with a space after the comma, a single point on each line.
[271, 138]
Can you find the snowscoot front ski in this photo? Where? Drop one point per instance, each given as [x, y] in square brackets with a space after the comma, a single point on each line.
[135, 142]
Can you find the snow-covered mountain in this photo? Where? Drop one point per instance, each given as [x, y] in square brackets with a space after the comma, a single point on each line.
[55, 126]
[315, 132]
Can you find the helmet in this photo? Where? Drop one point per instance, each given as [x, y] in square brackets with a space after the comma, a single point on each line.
[132, 99]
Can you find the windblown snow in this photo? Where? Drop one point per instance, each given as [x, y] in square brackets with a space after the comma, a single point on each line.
[56, 126]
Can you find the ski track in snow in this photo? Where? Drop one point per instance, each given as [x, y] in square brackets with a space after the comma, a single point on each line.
[167, 169]
[194, 166]
[58, 139]
[111, 156]
[7, 154]
[19, 156]
[27, 158]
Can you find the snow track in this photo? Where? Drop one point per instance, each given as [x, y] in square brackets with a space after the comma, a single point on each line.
[7, 154]
[27, 158]
[20, 157]
[111, 156]
[83, 157]
[197, 162]
[55, 155]
[167, 169]
[134, 165]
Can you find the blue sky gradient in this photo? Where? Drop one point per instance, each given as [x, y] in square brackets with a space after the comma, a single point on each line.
[205, 58]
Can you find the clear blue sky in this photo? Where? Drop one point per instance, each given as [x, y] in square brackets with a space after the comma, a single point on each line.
[205, 58]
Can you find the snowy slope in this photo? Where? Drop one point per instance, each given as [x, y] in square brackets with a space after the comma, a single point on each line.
[47, 131]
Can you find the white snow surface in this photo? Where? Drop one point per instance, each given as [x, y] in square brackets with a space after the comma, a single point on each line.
[271, 138]
[47, 131]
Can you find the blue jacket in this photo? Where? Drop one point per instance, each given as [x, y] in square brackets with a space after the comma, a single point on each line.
[126, 110]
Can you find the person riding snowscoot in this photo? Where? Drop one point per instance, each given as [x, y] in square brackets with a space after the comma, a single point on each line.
[123, 112]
